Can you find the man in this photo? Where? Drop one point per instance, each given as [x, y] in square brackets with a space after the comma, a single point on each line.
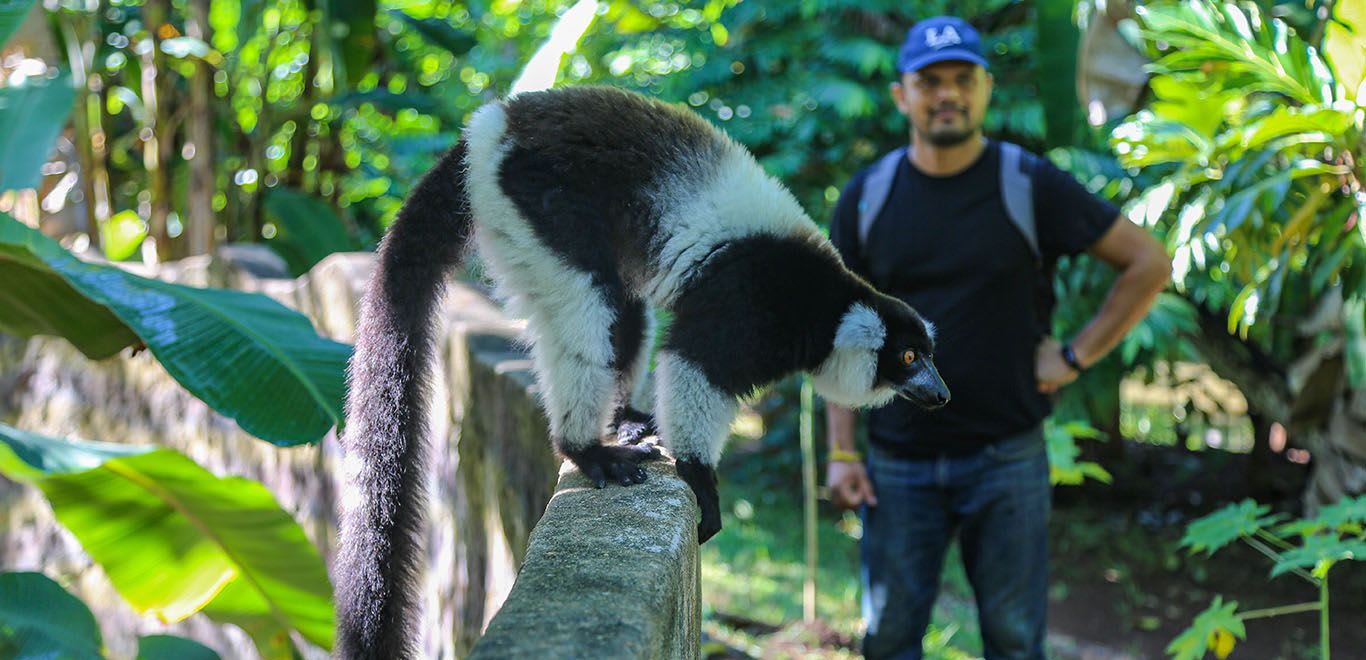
[949, 241]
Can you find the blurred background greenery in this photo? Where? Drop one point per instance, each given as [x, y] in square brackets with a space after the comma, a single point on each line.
[160, 129]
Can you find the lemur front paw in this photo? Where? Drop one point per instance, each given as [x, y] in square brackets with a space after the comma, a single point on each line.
[702, 479]
[619, 462]
[632, 426]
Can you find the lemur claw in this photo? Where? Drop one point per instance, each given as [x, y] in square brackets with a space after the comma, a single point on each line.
[619, 463]
[702, 479]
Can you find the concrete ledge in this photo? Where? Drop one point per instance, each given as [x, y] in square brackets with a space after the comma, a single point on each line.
[609, 573]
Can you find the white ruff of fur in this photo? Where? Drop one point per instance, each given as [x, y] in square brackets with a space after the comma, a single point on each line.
[847, 376]
[572, 359]
[695, 417]
[725, 201]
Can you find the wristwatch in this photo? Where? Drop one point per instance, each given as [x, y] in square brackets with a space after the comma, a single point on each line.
[1070, 357]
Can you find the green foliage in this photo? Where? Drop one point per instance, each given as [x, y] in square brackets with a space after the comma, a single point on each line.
[1063, 467]
[167, 647]
[1345, 46]
[1213, 629]
[39, 619]
[32, 114]
[1235, 521]
[1320, 552]
[1337, 533]
[172, 536]
[247, 356]
[307, 229]
[1058, 39]
[38, 300]
[1257, 157]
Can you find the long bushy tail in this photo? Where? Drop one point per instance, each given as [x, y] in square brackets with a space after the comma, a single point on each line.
[378, 563]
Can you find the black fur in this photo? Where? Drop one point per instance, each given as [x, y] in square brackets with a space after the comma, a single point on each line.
[380, 554]
[764, 307]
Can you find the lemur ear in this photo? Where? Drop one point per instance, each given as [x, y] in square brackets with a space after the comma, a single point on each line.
[860, 327]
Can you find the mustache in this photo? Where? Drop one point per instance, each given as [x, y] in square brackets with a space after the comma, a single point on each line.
[953, 108]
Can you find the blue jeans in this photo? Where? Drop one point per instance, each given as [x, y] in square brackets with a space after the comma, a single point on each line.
[997, 501]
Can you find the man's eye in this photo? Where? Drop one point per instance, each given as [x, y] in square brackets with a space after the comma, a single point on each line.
[907, 357]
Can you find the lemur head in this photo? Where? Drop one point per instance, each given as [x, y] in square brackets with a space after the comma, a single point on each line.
[882, 349]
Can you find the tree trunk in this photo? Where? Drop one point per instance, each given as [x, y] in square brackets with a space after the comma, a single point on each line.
[199, 216]
[81, 36]
[156, 128]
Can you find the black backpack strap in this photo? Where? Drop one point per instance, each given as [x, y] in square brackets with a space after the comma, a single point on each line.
[876, 187]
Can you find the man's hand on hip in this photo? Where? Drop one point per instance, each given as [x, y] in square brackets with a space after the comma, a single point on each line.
[849, 485]
[1049, 367]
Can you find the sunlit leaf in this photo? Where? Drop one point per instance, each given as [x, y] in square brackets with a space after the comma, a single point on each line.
[1213, 629]
[122, 235]
[32, 114]
[171, 535]
[244, 354]
[1227, 525]
[1064, 468]
[626, 18]
[1344, 44]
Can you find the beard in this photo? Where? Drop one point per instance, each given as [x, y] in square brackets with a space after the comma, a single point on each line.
[949, 135]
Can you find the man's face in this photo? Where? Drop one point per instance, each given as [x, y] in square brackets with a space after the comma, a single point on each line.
[945, 101]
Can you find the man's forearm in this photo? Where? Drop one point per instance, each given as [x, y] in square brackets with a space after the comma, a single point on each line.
[839, 424]
[1128, 302]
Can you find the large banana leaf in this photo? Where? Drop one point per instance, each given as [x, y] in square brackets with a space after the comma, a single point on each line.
[171, 536]
[245, 355]
[31, 116]
[39, 619]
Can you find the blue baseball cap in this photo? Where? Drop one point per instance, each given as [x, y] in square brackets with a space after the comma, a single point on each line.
[939, 39]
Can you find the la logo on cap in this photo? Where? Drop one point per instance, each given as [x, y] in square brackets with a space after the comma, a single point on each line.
[941, 38]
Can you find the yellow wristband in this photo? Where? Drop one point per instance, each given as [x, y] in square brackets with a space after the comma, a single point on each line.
[844, 456]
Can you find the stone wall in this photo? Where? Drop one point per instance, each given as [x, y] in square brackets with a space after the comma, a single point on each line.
[493, 473]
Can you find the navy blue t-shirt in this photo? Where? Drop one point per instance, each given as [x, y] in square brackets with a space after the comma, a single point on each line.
[946, 246]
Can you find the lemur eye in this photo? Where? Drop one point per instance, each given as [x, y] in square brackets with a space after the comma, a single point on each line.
[907, 357]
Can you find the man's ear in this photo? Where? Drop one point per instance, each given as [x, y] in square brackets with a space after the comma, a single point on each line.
[898, 91]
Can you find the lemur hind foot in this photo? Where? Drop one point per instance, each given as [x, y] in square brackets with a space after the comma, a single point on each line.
[632, 426]
[702, 479]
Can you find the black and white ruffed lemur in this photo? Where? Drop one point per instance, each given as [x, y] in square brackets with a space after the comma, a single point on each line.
[589, 206]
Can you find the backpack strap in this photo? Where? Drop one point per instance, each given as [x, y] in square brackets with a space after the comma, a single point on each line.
[1017, 192]
[876, 187]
